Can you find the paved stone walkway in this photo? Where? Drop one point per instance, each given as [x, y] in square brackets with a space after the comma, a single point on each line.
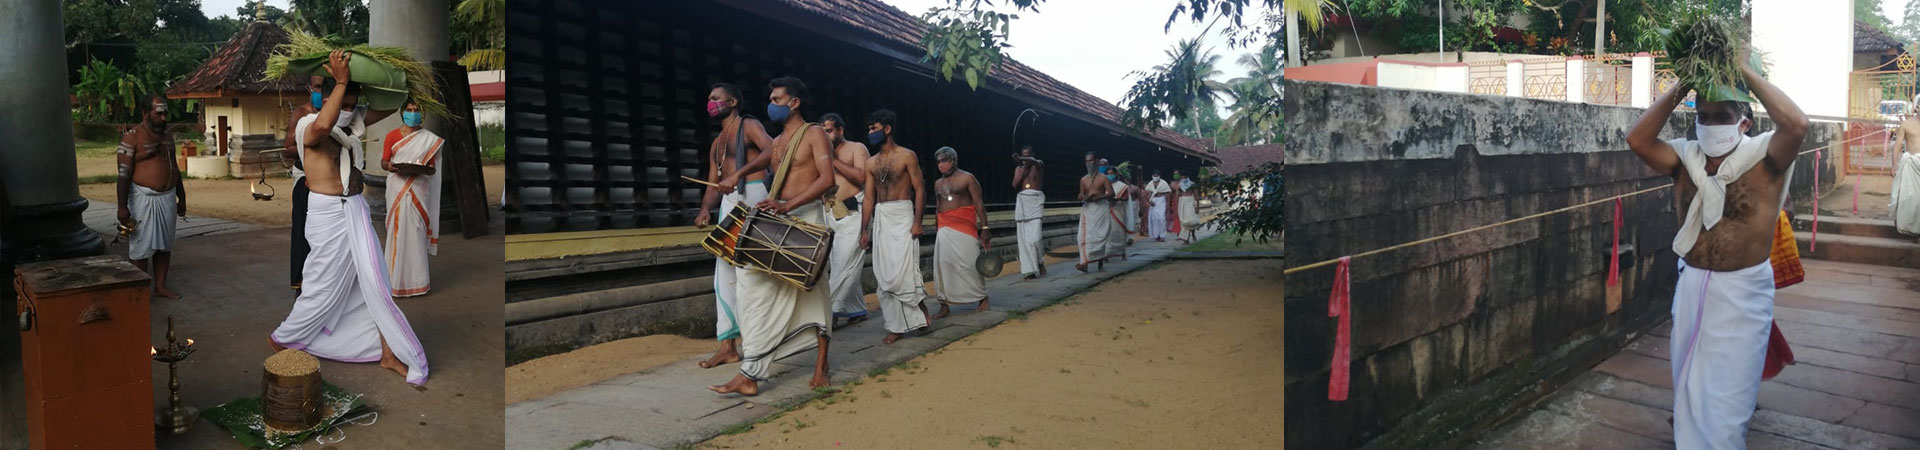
[668, 406]
[1855, 330]
[103, 218]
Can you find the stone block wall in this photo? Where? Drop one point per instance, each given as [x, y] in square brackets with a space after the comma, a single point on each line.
[1451, 337]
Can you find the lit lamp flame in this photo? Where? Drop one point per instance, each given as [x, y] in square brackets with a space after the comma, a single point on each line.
[152, 351]
[189, 342]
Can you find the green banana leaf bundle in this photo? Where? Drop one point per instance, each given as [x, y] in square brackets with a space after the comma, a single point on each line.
[388, 77]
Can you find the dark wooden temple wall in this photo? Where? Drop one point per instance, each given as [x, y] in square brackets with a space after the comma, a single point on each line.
[606, 110]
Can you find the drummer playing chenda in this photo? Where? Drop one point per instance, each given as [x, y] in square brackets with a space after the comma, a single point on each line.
[774, 314]
[741, 138]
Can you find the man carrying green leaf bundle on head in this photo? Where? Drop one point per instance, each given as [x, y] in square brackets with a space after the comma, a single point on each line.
[1731, 184]
[345, 311]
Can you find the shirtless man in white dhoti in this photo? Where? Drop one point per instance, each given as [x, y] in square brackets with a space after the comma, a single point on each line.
[892, 211]
[1096, 221]
[150, 193]
[1028, 207]
[740, 140]
[345, 311]
[412, 160]
[962, 235]
[1905, 204]
[849, 179]
[1729, 185]
[1189, 204]
[1159, 191]
[777, 318]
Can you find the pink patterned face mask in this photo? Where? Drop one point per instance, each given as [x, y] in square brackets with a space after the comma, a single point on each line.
[714, 108]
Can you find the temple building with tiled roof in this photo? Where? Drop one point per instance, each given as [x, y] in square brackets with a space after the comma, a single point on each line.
[230, 84]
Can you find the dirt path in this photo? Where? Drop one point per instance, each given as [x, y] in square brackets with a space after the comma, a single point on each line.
[1183, 355]
[232, 199]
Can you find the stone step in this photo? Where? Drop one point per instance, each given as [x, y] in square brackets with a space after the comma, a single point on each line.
[1851, 226]
[1864, 250]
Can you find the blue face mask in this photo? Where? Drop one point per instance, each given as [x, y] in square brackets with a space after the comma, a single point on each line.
[1110, 177]
[778, 112]
[411, 118]
[876, 138]
[1102, 169]
[318, 100]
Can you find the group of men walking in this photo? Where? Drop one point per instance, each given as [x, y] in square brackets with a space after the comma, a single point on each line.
[870, 193]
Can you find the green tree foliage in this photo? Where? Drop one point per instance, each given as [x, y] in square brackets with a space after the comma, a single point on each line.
[1868, 11]
[335, 20]
[1254, 116]
[482, 27]
[1177, 89]
[132, 48]
[1909, 29]
[965, 39]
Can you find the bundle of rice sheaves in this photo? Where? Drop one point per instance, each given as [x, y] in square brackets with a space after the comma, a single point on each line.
[386, 74]
[1706, 49]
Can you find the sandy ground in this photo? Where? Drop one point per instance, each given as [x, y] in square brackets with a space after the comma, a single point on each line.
[587, 365]
[233, 199]
[1138, 362]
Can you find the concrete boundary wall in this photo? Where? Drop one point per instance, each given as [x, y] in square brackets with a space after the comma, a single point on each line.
[1450, 337]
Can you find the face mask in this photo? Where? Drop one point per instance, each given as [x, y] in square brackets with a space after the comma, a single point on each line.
[411, 118]
[714, 108]
[318, 100]
[345, 120]
[1718, 140]
[876, 138]
[1110, 177]
[778, 112]
[1102, 169]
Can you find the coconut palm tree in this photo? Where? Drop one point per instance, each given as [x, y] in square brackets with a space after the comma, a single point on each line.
[489, 19]
[1255, 113]
[1191, 71]
[1313, 12]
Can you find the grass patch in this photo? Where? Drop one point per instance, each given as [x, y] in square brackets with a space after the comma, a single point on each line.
[993, 441]
[1064, 370]
[738, 428]
[95, 149]
[1233, 242]
[1017, 315]
[584, 443]
[100, 179]
[493, 143]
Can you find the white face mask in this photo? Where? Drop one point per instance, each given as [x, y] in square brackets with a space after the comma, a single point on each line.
[346, 118]
[1718, 140]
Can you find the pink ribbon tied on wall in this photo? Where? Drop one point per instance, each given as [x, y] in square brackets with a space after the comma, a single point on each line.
[1813, 243]
[1339, 305]
[1613, 267]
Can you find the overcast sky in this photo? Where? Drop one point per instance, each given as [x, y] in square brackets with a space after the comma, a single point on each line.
[1090, 44]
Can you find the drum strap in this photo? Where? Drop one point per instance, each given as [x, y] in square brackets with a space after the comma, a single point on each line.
[739, 152]
[786, 161]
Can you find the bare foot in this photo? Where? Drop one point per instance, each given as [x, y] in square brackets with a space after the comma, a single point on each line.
[164, 293]
[890, 339]
[739, 385]
[1043, 269]
[390, 363]
[1080, 267]
[943, 312]
[982, 307]
[726, 355]
[276, 345]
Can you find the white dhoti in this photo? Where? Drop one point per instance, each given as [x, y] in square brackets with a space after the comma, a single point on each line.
[1188, 218]
[1027, 210]
[1906, 194]
[345, 308]
[776, 318]
[1116, 230]
[955, 250]
[846, 260]
[1096, 227]
[725, 276]
[413, 214]
[1132, 215]
[154, 212]
[1721, 322]
[1157, 218]
[896, 265]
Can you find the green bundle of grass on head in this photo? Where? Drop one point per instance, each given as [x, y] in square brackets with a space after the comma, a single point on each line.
[387, 76]
[1706, 52]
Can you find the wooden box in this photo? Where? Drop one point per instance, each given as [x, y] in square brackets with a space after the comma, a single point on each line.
[88, 386]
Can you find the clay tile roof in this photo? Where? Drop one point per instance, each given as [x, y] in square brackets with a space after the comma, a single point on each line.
[1234, 160]
[1867, 39]
[904, 29]
[236, 68]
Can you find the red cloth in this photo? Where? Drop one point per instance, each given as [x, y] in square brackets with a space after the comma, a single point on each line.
[1173, 213]
[1779, 355]
[1613, 268]
[392, 137]
[962, 220]
[1338, 305]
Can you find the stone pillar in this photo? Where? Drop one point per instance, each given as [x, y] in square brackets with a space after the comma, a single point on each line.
[1516, 78]
[1576, 79]
[38, 168]
[420, 26]
[1642, 80]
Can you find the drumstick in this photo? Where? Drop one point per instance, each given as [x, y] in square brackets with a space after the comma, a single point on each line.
[684, 177]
